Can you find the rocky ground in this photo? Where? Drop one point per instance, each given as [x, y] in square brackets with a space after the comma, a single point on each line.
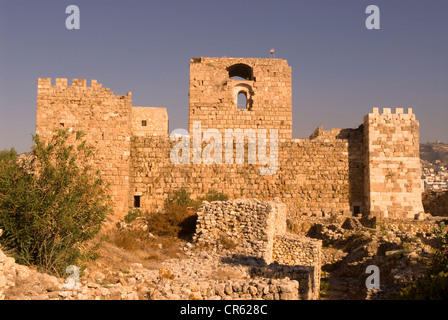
[400, 250]
[180, 270]
[436, 201]
[192, 274]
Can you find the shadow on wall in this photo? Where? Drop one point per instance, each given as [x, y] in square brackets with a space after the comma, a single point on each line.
[259, 268]
[356, 150]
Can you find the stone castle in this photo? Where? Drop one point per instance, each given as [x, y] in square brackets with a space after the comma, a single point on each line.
[373, 170]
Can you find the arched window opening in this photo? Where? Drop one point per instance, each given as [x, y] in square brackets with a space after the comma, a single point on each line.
[242, 101]
[237, 78]
[240, 71]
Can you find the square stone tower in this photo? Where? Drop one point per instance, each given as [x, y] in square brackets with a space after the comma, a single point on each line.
[108, 120]
[392, 164]
[104, 117]
[241, 93]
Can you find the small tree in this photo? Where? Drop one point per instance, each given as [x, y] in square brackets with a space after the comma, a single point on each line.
[7, 156]
[52, 202]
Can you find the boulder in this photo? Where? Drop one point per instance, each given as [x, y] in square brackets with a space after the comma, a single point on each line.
[351, 224]
[420, 216]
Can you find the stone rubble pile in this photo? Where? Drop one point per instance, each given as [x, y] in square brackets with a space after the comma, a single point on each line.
[201, 275]
[18, 282]
[210, 279]
[400, 249]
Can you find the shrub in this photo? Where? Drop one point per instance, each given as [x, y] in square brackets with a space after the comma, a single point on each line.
[132, 215]
[324, 288]
[178, 217]
[227, 242]
[52, 202]
[180, 198]
[174, 220]
[213, 195]
[6, 157]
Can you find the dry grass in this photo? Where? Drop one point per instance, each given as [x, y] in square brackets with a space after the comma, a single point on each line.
[227, 242]
[152, 237]
[139, 246]
[166, 274]
[130, 240]
[174, 221]
[225, 274]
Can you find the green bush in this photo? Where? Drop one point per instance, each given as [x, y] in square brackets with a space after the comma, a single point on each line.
[178, 217]
[181, 198]
[214, 195]
[132, 215]
[52, 202]
[6, 157]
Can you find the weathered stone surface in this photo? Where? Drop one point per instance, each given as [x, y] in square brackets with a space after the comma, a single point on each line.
[247, 225]
[373, 169]
[393, 164]
[351, 224]
[257, 230]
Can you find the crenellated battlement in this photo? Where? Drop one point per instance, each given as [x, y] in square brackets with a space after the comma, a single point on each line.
[387, 115]
[105, 118]
[77, 85]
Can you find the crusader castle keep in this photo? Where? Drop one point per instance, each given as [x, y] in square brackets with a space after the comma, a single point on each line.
[373, 170]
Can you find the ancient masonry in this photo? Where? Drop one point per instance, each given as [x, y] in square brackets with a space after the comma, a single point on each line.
[373, 169]
[254, 228]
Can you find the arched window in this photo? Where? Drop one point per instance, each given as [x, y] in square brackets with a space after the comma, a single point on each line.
[240, 71]
[242, 101]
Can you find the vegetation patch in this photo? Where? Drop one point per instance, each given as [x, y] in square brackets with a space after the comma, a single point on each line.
[51, 202]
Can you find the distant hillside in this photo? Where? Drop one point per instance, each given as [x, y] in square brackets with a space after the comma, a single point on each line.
[430, 152]
[436, 203]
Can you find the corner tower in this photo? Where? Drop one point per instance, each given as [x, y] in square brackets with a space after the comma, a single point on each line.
[105, 118]
[392, 164]
[241, 93]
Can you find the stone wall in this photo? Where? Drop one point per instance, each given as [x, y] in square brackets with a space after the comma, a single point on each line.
[103, 116]
[372, 170]
[109, 122]
[308, 282]
[214, 90]
[149, 121]
[308, 179]
[293, 250]
[393, 169]
[258, 229]
[249, 224]
[324, 173]
[247, 289]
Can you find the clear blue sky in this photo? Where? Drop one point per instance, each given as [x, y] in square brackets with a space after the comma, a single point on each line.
[340, 69]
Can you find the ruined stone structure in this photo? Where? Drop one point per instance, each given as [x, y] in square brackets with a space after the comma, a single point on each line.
[258, 229]
[373, 169]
